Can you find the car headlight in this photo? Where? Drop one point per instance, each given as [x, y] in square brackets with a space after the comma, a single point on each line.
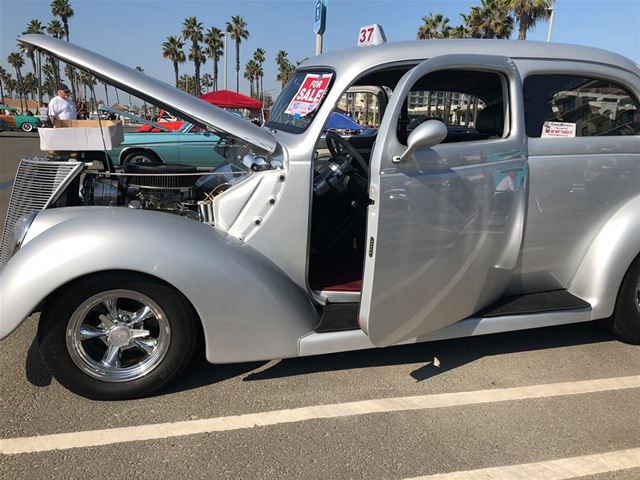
[21, 228]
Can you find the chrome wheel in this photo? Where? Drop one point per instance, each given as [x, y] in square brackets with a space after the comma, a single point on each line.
[27, 127]
[118, 335]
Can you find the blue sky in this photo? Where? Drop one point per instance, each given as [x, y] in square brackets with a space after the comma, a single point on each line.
[132, 31]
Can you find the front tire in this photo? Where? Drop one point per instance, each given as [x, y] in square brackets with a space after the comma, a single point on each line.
[626, 320]
[26, 127]
[117, 335]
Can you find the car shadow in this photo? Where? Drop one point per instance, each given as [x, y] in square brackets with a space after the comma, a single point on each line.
[37, 374]
[457, 352]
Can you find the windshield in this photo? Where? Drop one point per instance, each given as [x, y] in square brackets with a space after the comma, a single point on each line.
[300, 100]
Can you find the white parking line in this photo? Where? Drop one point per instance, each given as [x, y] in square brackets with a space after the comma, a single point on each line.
[561, 469]
[92, 438]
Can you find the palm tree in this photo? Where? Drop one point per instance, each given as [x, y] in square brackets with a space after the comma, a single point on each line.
[251, 74]
[56, 30]
[34, 26]
[490, 20]
[214, 50]
[74, 78]
[207, 81]
[3, 79]
[237, 27]
[285, 69]
[29, 82]
[12, 85]
[185, 82]
[435, 26]
[528, 13]
[192, 30]
[260, 55]
[62, 9]
[172, 50]
[197, 56]
[106, 93]
[16, 60]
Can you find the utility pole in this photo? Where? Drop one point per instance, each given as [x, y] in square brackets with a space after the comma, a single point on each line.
[550, 31]
[39, 73]
[319, 23]
[226, 62]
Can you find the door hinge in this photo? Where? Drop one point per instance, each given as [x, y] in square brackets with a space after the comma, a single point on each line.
[371, 247]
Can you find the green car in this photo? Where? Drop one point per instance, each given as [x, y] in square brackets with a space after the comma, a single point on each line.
[189, 144]
[26, 123]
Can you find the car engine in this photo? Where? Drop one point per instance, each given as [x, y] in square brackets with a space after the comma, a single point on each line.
[174, 188]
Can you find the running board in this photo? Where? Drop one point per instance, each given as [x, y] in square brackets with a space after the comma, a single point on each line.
[542, 302]
[333, 342]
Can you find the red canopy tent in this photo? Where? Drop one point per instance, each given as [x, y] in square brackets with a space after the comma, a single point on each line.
[220, 98]
[229, 99]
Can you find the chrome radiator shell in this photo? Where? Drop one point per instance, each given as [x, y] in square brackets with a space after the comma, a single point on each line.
[37, 185]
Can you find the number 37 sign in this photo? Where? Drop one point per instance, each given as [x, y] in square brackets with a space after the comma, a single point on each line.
[371, 35]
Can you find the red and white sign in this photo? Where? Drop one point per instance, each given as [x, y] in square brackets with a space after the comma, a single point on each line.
[558, 129]
[309, 95]
[371, 35]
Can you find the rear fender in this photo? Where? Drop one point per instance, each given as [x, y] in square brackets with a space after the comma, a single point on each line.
[600, 274]
[250, 310]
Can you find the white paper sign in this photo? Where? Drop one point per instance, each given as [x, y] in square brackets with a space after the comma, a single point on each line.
[309, 95]
[558, 129]
[371, 35]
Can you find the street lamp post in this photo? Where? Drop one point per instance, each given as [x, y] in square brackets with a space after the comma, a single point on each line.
[550, 31]
[226, 62]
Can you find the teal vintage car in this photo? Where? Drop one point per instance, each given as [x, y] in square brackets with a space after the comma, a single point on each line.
[14, 119]
[188, 145]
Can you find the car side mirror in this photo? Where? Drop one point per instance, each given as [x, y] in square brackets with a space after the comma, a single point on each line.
[427, 134]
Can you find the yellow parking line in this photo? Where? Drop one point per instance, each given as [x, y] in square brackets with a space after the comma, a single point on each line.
[93, 438]
[561, 469]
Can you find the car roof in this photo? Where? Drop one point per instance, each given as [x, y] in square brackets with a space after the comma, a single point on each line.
[368, 57]
[6, 107]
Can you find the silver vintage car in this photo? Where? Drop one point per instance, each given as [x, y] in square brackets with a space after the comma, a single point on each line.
[500, 192]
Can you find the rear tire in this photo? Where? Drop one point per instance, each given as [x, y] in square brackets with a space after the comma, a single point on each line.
[140, 156]
[77, 330]
[626, 320]
[26, 127]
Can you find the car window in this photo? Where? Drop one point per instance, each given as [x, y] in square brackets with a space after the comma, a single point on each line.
[362, 107]
[470, 103]
[300, 100]
[579, 106]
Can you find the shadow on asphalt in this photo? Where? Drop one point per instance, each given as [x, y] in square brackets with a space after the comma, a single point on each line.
[37, 373]
[452, 354]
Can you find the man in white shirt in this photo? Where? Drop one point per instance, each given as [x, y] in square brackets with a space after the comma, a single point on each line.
[61, 107]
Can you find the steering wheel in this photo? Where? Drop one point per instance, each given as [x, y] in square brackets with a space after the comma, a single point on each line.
[338, 146]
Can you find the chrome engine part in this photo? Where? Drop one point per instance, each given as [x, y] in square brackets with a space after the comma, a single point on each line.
[152, 186]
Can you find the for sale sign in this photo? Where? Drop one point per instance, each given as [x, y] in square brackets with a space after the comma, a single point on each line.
[558, 129]
[309, 95]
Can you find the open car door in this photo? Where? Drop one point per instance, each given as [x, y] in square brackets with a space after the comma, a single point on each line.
[443, 236]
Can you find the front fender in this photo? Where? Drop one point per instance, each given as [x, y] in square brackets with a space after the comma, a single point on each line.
[250, 310]
[600, 274]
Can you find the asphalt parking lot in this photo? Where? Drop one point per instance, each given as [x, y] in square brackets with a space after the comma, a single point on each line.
[551, 403]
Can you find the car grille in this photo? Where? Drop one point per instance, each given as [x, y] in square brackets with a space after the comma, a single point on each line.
[37, 185]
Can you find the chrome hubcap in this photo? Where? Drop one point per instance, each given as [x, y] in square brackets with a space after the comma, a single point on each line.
[118, 335]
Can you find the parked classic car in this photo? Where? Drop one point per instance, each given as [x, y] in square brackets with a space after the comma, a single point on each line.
[522, 212]
[161, 144]
[11, 115]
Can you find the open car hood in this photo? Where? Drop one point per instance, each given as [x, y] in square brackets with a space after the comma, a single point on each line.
[154, 91]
